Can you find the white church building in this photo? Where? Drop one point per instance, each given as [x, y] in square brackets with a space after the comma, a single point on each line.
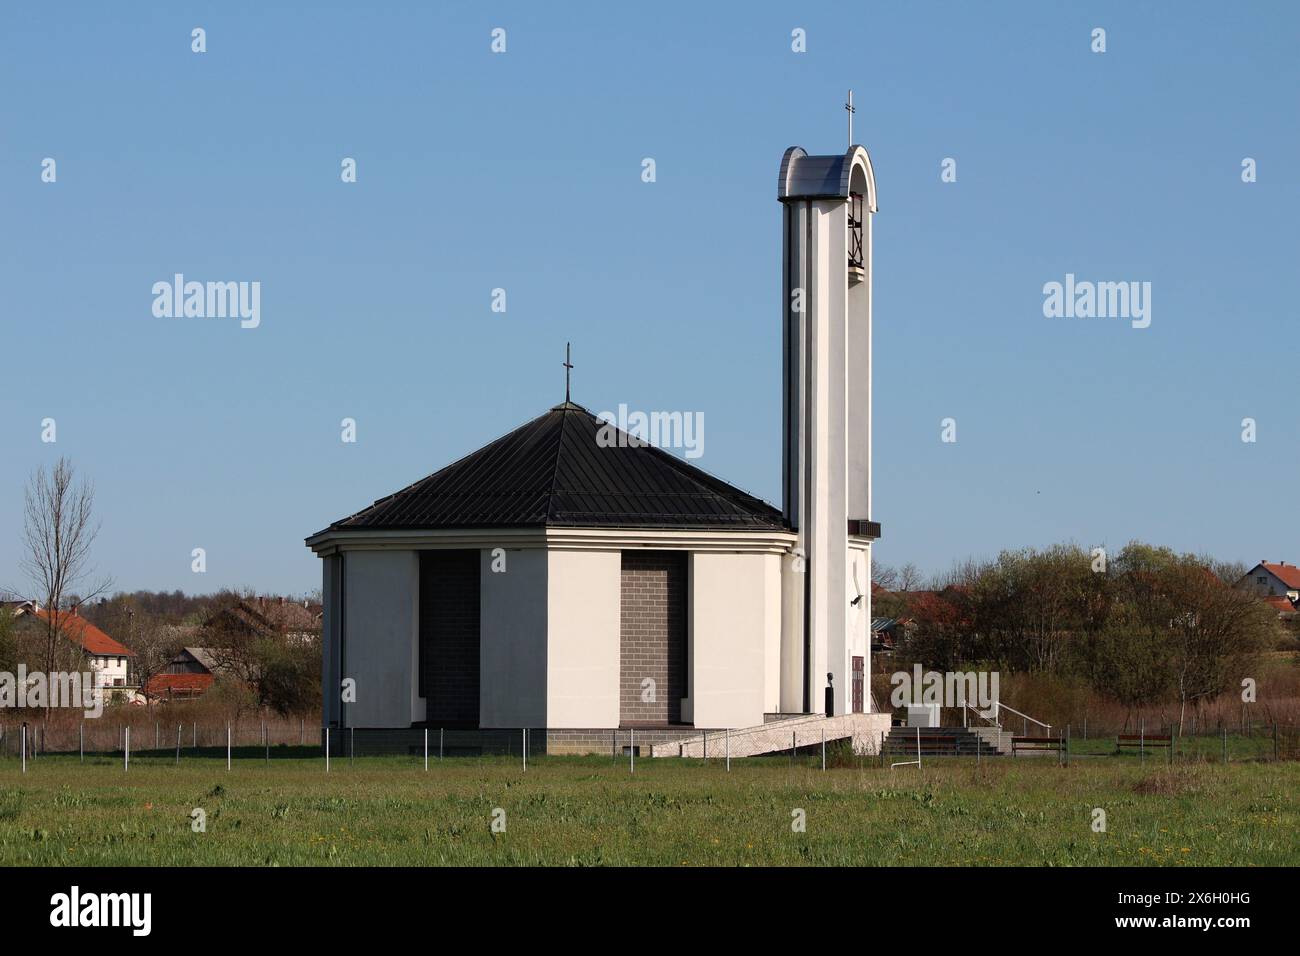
[611, 594]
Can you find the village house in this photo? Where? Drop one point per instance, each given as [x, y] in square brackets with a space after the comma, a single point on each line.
[109, 660]
[189, 674]
[1272, 580]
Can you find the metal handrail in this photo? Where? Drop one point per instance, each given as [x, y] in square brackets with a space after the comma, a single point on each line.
[1025, 727]
[965, 707]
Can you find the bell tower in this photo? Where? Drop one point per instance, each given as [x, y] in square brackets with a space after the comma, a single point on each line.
[827, 205]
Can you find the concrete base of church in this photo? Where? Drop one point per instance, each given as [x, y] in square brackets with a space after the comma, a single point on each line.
[611, 742]
[798, 732]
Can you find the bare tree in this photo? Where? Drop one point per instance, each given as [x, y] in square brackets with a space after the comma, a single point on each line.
[910, 577]
[883, 576]
[59, 529]
[156, 643]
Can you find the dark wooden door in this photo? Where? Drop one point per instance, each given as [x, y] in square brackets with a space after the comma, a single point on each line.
[857, 684]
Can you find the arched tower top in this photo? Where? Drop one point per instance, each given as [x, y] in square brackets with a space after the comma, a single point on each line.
[824, 177]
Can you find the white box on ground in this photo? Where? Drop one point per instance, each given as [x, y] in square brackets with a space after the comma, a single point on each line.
[923, 715]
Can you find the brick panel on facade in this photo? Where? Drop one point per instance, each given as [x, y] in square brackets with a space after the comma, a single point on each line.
[449, 637]
[653, 636]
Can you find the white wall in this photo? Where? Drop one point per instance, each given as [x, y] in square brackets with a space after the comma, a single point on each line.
[381, 637]
[330, 626]
[512, 651]
[732, 629]
[583, 607]
[772, 632]
[859, 644]
[109, 669]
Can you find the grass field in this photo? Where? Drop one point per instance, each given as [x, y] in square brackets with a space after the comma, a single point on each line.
[591, 811]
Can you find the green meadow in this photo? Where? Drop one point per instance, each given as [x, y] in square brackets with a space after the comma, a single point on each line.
[670, 812]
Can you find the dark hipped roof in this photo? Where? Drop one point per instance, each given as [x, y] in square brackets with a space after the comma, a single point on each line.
[552, 473]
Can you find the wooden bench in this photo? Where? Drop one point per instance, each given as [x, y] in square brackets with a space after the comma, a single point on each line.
[1145, 741]
[1037, 743]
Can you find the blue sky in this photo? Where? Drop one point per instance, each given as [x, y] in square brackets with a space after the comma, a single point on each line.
[522, 171]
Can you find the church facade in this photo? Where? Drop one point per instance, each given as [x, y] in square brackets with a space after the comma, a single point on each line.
[557, 581]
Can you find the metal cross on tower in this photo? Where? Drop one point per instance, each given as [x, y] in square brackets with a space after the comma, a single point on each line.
[567, 367]
[850, 109]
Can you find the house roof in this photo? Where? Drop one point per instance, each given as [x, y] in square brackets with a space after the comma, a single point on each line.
[1280, 604]
[202, 655]
[1288, 574]
[552, 472]
[80, 631]
[163, 684]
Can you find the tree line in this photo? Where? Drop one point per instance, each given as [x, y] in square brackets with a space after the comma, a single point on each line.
[1146, 626]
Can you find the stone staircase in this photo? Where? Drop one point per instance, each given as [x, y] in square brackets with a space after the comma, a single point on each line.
[780, 735]
[948, 742]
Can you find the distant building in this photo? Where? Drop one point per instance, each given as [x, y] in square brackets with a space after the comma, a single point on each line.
[189, 674]
[109, 661]
[1272, 580]
[1286, 611]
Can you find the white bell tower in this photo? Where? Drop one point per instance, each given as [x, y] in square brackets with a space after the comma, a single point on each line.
[828, 202]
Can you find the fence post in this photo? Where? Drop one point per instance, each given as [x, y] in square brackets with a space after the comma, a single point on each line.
[1142, 740]
[794, 745]
[327, 749]
[24, 746]
[227, 745]
[706, 745]
[352, 745]
[918, 748]
[1225, 744]
[823, 748]
[727, 744]
[81, 740]
[440, 743]
[157, 740]
[1275, 740]
[126, 751]
[524, 742]
[178, 745]
[195, 741]
[631, 751]
[426, 749]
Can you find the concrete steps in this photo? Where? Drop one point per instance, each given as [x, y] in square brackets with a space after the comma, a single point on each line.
[948, 741]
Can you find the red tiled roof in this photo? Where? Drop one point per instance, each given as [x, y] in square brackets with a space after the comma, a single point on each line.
[163, 684]
[80, 631]
[1288, 574]
[1280, 604]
